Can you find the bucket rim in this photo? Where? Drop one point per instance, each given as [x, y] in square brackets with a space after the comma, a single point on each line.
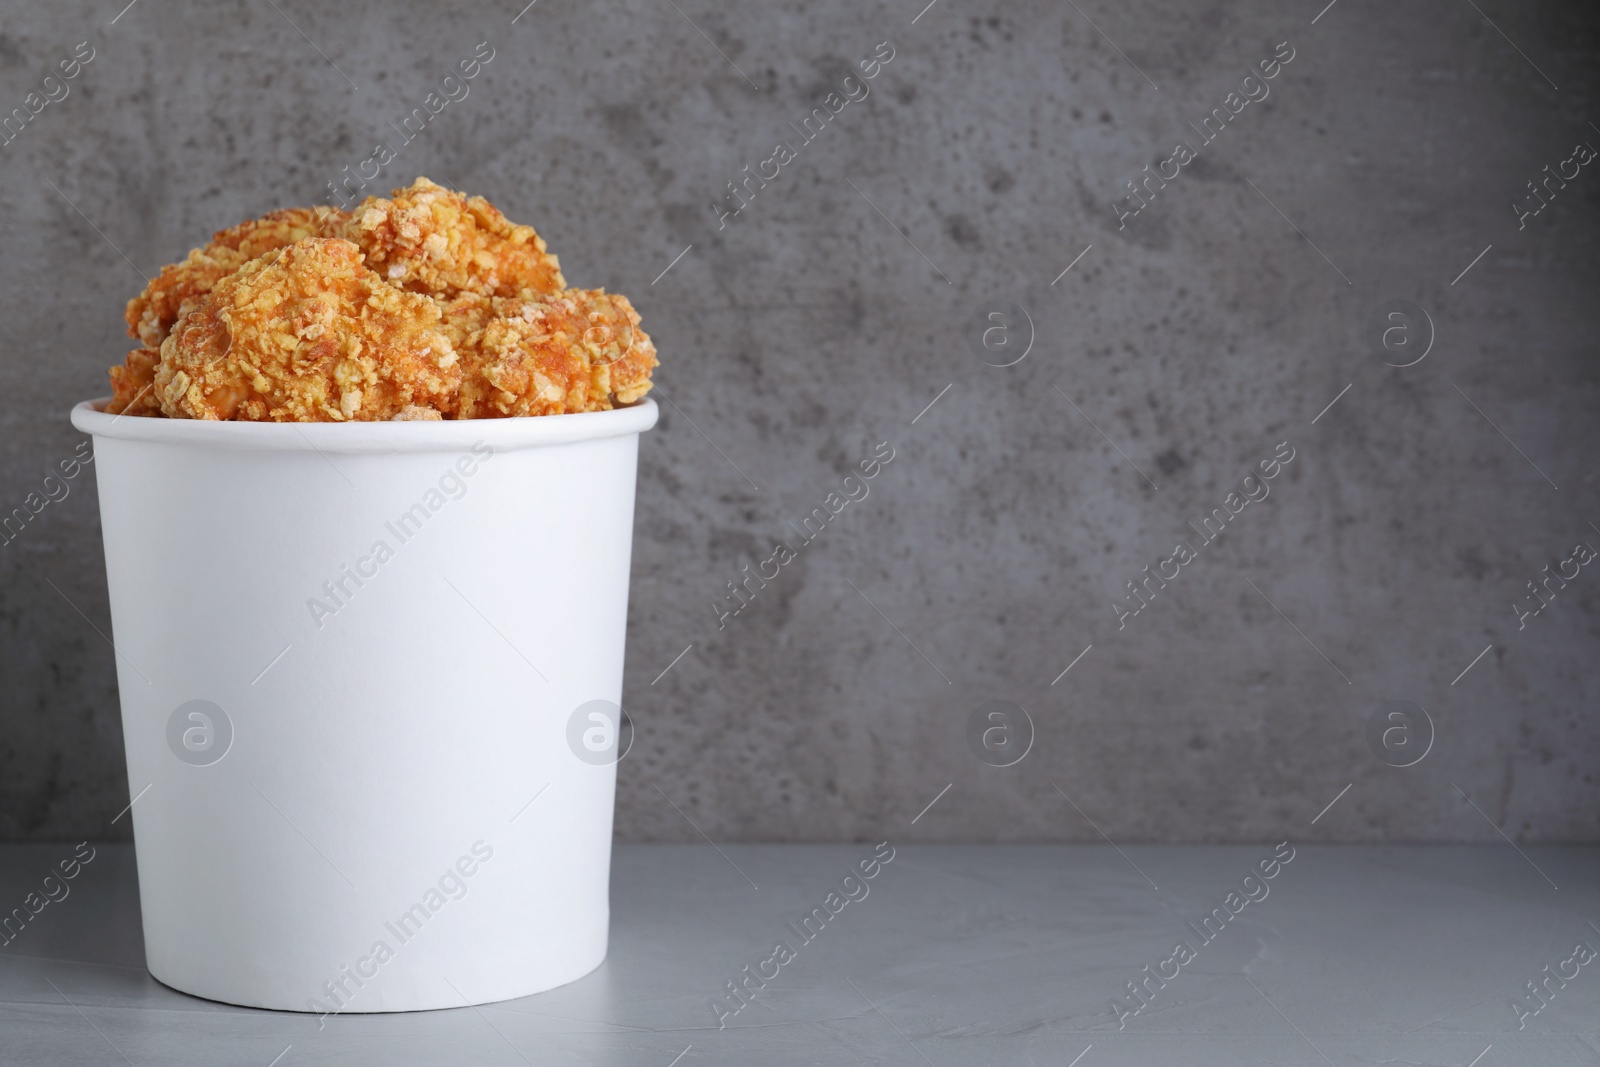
[446, 435]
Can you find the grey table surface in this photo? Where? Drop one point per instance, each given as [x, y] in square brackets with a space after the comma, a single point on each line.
[956, 955]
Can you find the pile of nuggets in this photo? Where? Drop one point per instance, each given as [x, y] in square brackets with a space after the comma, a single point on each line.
[426, 305]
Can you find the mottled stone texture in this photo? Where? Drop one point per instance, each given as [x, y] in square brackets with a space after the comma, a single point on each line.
[990, 550]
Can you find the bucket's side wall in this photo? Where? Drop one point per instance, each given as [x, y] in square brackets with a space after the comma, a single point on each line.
[397, 643]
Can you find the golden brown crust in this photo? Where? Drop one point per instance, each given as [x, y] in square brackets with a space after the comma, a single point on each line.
[428, 239]
[577, 350]
[422, 306]
[307, 334]
[133, 384]
[417, 413]
[178, 288]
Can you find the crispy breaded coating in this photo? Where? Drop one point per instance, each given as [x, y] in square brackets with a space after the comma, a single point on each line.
[307, 334]
[416, 413]
[577, 350]
[431, 240]
[133, 384]
[422, 306]
[178, 288]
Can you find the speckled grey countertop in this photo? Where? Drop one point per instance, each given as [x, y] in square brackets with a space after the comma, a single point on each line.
[1347, 955]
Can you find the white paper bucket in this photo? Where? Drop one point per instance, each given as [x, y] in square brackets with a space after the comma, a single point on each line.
[369, 677]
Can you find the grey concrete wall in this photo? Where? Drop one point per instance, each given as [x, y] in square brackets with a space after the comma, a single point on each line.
[1175, 353]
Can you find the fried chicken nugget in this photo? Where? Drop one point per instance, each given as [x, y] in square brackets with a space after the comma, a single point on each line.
[133, 384]
[431, 240]
[178, 288]
[307, 334]
[576, 350]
